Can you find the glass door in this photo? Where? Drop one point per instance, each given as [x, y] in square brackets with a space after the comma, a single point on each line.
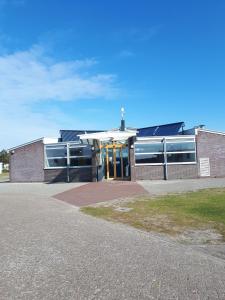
[116, 161]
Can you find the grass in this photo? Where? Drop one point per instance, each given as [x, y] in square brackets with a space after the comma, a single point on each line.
[4, 176]
[172, 214]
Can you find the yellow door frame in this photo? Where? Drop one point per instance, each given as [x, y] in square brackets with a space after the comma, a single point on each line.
[114, 147]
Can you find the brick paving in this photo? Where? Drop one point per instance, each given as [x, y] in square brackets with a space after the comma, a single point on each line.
[95, 192]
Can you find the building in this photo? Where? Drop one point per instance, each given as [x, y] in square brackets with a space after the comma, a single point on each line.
[158, 152]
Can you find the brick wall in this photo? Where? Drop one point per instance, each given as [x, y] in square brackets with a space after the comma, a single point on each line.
[212, 146]
[27, 163]
[182, 171]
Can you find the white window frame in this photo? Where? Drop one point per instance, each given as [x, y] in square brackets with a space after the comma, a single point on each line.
[155, 141]
[182, 140]
[177, 139]
[67, 157]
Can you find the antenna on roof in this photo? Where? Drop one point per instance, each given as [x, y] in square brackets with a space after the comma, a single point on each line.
[122, 112]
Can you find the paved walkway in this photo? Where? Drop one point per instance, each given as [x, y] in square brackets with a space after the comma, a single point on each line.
[100, 192]
[50, 250]
[161, 187]
[96, 192]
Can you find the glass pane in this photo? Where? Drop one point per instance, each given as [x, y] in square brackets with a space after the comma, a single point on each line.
[111, 167]
[173, 147]
[149, 159]
[126, 169]
[56, 151]
[181, 157]
[148, 148]
[57, 162]
[118, 162]
[80, 161]
[80, 151]
[180, 140]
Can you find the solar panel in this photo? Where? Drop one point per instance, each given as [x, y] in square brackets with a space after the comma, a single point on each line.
[72, 135]
[161, 130]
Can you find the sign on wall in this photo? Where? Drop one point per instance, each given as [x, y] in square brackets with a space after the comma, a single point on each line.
[204, 167]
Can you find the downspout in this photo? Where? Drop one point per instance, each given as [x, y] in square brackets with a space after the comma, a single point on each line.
[68, 163]
[165, 160]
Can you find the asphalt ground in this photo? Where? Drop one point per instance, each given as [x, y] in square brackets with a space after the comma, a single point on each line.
[50, 250]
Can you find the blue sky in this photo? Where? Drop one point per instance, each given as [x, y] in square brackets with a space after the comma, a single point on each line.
[72, 64]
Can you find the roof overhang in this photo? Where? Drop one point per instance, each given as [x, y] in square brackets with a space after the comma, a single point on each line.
[116, 135]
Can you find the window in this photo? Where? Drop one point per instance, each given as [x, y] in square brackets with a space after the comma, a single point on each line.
[80, 151]
[57, 162]
[180, 147]
[149, 148]
[57, 156]
[178, 150]
[180, 157]
[80, 161]
[149, 153]
[56, 151]
[149, 159]
[80, 156]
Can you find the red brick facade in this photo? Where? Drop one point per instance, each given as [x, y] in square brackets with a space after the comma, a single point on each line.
[212, 146]
[27, 163]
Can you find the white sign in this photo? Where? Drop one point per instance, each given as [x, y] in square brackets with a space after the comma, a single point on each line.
[1, 167]
[204, 167]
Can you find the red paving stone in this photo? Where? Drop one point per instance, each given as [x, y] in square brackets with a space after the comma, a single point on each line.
[95, 192]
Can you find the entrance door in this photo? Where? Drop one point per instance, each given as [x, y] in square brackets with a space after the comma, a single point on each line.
[116, 161]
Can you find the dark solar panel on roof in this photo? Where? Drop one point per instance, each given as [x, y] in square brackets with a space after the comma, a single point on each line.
[72, 135]
[161, 130]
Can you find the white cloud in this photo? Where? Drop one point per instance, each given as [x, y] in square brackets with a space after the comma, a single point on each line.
[29, 79]
[29, 76]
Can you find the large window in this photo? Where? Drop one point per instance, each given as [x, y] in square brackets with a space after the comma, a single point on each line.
[180, 150]
[55, 156]
[149, 152]
[80, 156]
[63, 155]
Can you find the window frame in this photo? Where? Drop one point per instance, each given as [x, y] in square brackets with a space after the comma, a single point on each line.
[177, 139]
[182, 140]
[154, 141]
[67, 157]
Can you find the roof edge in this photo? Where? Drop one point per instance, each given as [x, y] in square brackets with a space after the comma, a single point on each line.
[43, 139]
[210, 131]
[25, 144]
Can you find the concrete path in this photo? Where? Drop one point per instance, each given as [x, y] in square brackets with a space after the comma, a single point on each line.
[95, 192]
[49, 250]
[161, 187]
[42, 189]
